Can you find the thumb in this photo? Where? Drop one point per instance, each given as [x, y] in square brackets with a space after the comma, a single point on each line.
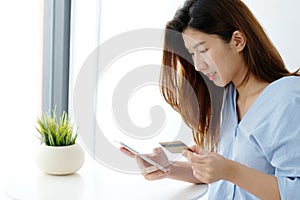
[203, 152]
[196, 149]
[157, 150]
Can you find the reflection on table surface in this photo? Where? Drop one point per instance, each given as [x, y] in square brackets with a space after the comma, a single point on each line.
[94, 181]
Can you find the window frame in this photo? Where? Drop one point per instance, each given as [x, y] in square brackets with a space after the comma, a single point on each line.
[56, 55]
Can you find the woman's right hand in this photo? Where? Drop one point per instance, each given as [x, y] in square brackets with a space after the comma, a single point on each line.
[149, 171]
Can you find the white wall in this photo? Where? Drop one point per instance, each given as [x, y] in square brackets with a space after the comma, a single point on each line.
[280, 20]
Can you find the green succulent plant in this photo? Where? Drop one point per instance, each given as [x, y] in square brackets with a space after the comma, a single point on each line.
[56, 131]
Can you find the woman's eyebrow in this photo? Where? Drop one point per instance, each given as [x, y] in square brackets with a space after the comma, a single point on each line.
[198, 44]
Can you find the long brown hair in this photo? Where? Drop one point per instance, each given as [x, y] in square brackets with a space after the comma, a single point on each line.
[222, 18]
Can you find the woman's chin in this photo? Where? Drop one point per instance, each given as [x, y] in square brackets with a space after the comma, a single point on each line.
[220, 83]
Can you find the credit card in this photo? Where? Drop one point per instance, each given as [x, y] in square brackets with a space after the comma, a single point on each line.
[175, 146]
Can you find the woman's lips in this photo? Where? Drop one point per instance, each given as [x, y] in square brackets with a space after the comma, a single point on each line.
[211, 76]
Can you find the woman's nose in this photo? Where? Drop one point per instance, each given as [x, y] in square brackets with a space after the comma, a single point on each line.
[199, 63]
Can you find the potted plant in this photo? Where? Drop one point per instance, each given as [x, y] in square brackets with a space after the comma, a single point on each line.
[58, 154]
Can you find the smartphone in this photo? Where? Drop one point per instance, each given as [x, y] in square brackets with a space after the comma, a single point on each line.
[145, 158]
[175, 146]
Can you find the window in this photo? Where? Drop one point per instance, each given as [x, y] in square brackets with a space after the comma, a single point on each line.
[20, 84]
[140, 117]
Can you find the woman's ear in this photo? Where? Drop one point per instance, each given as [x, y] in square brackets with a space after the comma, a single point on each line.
[238, 40]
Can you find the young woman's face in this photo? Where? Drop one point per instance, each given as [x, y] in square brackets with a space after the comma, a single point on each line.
[221, 62]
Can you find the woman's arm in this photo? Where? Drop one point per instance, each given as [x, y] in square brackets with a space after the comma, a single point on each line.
[262, 185]
[180, 170]
[212, 167]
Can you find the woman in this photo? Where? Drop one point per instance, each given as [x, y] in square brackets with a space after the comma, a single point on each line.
[253, 140]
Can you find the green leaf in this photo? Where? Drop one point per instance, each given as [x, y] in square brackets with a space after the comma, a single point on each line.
[56, 131]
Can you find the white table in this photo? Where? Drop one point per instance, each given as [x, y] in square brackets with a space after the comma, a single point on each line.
[96, 182]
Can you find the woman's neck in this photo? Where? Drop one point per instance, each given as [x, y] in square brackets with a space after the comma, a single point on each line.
[253, 87]
[247, 93]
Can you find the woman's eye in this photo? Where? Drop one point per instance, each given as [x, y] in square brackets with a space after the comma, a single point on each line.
[192, 54]
[203, 51]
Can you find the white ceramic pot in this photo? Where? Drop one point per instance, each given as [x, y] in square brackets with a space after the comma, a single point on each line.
[60, 160]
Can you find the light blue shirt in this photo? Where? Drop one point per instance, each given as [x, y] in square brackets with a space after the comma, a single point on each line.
[267, 138]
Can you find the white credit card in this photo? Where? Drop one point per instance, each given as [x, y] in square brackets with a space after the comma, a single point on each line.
[175, 146]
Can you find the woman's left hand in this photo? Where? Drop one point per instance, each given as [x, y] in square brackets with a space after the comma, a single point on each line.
[208, 167]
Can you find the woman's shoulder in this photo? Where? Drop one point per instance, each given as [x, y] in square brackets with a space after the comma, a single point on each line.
[285, 88]
[275, 110]
[278, 98]
[287, 82]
